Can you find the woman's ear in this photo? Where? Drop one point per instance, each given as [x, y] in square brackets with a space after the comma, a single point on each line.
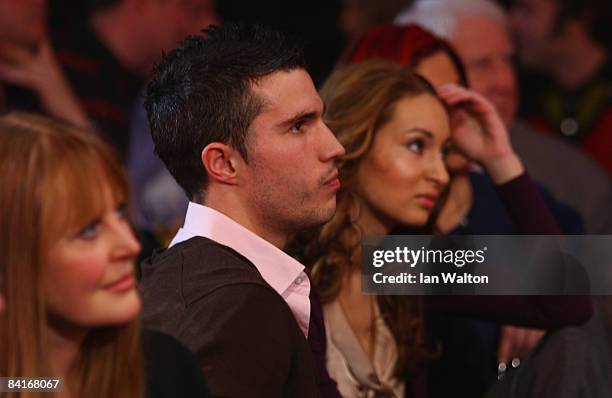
[221, 162]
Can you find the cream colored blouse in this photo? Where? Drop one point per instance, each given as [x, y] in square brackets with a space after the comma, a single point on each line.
[357, 375]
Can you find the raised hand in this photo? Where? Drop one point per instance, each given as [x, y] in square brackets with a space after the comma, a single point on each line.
[516, 342]
[27, 68]
[478, 132]
[40, 72]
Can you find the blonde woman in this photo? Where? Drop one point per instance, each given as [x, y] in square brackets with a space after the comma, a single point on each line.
[67, 269]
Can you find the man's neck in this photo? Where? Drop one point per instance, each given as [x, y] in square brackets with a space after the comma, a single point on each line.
[113, 28]
[250, 219]
[579, 64]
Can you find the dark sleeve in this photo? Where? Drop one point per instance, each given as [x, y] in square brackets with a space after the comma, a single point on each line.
[546, 312]
[531, 217]
[318, 344]
[171, 370]
[245, 343]
[527, 208]
[569, 220]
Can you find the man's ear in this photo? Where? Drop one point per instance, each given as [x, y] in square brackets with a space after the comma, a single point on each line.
[221, 162]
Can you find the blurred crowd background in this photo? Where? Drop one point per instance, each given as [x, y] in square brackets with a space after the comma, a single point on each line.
[545, 65]
[101, 53]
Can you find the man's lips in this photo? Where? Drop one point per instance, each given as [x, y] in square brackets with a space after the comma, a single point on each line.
[333, 181]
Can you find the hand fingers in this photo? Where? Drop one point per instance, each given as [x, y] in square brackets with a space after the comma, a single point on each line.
[517, 342]
[514, 343]
[453, 92]
[505, 346]
[533, 338]
[474, 102]
[458, 116]
[454, 95]
[14, 75]
[15, 55]
[521, 344]
[527, 340]
[461, 122]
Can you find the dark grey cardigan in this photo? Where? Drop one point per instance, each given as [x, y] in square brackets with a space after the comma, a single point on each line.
[244, 335]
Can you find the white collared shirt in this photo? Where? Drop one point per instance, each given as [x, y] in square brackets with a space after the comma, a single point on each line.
[282, 272]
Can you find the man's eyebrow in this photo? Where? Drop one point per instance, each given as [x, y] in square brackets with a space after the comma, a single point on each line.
[421, 131]
[308, 114]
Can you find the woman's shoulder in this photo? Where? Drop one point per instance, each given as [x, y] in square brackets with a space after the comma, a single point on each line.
[171, 369]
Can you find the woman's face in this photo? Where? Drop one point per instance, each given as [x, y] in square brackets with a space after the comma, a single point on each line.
[88, 276]
[403, 174]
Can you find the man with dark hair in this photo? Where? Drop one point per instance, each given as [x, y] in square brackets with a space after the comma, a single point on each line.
[565, 45]
[236, 119]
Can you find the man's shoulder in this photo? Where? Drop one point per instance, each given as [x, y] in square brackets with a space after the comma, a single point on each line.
[201, 256]
[218, 303]
[223, 314]
[197, 267]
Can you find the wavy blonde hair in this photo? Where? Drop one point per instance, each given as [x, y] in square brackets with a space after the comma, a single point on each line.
[359, 99]
[53, 176]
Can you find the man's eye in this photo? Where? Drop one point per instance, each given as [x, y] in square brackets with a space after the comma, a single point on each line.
[416, 146]
[296, 127]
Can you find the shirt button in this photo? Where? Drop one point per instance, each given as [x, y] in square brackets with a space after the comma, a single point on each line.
[299, 280]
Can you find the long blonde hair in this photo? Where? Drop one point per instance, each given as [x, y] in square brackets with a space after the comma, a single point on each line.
[52, 178]
[359, 99]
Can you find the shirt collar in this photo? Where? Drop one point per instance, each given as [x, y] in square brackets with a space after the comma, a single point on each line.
[277, 268]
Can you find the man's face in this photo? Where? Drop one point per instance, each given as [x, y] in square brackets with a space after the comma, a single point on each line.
[291, 179]
[486, 50]
[23, 22]
[533, 23]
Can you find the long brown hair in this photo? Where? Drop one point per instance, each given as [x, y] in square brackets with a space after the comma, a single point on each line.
[359, 99]
[53, 176]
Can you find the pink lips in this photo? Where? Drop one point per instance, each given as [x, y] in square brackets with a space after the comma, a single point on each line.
[333, 181]
[122, 285]
[428, 201]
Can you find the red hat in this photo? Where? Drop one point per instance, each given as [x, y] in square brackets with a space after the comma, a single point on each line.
[397, 43]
